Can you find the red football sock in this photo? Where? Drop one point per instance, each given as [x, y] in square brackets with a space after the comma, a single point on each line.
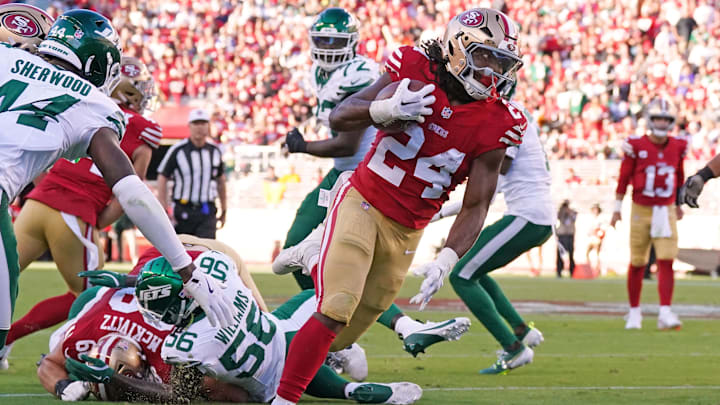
[307, 353]
[634, 284]
[44, 314]
[666, 281]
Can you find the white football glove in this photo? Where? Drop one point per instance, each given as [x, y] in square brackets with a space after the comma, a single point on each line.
[405, 104]
[69, 390]
[206, 291]
[447, 210]
[434, 273]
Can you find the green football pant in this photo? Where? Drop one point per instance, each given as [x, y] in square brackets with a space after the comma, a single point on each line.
[498, 245]
[9, 270]
[307, 218]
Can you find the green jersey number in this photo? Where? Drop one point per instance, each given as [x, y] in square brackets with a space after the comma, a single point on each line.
[255, 350]
[182, 342]
[38, 112]
[216, 269]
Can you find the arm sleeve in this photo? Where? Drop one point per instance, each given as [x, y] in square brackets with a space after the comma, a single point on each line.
[146, 212]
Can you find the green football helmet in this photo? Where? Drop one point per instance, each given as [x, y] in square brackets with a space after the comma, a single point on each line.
[333, 38]
[87, 41]
[160, 295]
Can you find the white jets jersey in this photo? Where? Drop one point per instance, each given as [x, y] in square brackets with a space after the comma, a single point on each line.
[526, 185]
[333, 87]
[249, 354]
[46, 113]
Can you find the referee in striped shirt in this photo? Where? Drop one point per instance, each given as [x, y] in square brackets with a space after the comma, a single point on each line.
[197, 170]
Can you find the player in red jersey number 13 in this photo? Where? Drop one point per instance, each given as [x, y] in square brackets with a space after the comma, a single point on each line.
[462, 127]
[652, 165]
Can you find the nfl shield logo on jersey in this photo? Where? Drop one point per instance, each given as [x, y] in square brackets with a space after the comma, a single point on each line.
[446, 113]
[643, 154]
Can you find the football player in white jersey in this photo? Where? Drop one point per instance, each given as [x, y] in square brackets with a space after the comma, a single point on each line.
[527, 223]
[56, 105]
[337, 72]
[250, 353]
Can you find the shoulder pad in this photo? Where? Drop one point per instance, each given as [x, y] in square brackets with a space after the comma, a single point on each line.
[628, 148]
[358, 74]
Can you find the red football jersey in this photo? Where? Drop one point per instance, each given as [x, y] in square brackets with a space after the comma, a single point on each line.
[408, 175]
[116, 311]
[654, 171]
[78, 188]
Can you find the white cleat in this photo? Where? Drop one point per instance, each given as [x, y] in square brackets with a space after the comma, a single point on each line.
[4, 354]
[507, 361]
[633, 320]
[534, 337]
[350, 360]
[430, 333]
[668, 320]
[303, 256]
[402, 393]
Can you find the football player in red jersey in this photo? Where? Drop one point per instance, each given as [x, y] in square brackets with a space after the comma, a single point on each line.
[377, 218]
[652, 164]
[64, 212]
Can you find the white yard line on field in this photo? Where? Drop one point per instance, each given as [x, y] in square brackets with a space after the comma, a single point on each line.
[597, 388]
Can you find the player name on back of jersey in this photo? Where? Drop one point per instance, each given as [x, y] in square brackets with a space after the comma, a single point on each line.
[241, 301]
[139, 333]
[53, 76]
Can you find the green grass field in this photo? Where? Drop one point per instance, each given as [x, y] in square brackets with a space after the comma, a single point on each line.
[586, 359]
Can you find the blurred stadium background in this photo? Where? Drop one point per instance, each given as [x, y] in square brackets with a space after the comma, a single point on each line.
[590, 67]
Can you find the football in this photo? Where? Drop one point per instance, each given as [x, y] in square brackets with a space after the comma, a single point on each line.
[387, 92]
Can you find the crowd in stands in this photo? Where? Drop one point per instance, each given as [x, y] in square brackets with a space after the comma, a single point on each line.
[590, 66]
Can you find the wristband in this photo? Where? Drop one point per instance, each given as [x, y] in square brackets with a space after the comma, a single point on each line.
[618, 206]
[706, 173]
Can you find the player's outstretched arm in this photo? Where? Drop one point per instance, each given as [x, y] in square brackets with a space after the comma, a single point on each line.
[341, 145]
[55, 379]
[476, 201]
[140, 161]
[354, 112]
[467, 226]
[148, 215]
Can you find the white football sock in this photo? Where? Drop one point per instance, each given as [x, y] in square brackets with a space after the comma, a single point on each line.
[664, 309]
[406, 325]
[635, 311]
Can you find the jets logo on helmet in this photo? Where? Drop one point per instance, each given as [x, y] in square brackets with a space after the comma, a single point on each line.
[333, 38]
[471, 18]
[155, 293]
[20, 25]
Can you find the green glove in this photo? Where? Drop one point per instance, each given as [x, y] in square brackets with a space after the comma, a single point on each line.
[105, 278]
[93, 370]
